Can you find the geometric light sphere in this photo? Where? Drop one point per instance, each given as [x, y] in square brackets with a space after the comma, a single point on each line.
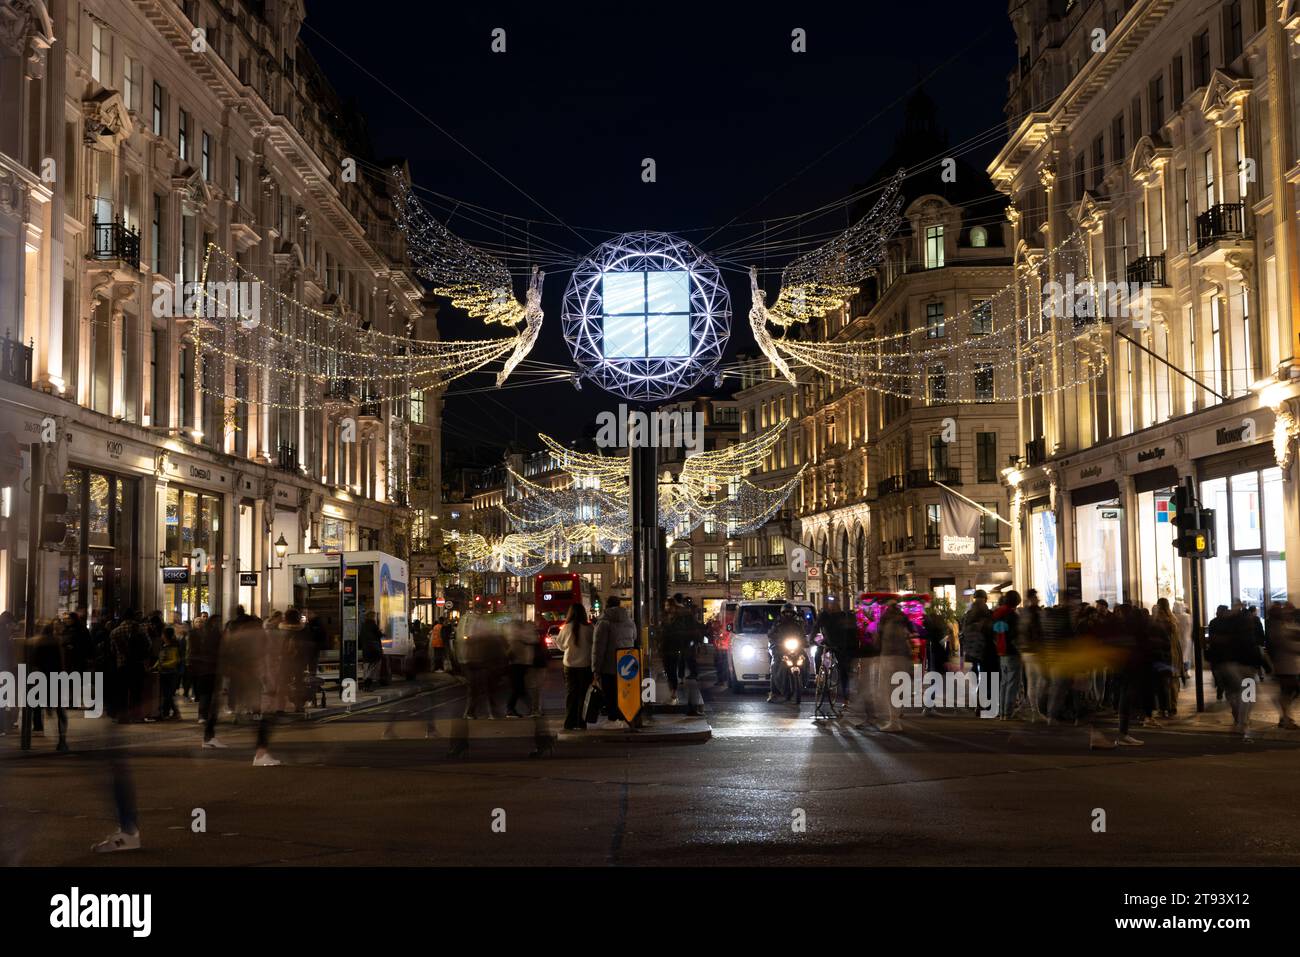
[646, 316]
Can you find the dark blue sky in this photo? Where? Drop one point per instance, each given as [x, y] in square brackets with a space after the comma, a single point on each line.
[739, 127]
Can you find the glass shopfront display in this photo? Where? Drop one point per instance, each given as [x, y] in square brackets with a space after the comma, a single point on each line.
[1250, 565]
[1099, 546]
[98, 556]
[1160, 567]
[1042, 544]
[193, 541]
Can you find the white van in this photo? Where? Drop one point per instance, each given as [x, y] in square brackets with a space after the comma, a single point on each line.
[750, 663]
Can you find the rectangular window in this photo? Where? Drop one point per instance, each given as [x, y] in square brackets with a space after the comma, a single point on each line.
[156, 235]
[981, 317]
[932, 523]
[186, 392]
[1117, 151]
[989, 525]
[1185, 211]
[934, 320]
[933, 247]
[206, 157]
[183, 134]
[100, 65]
[646, 314]
[986, 456]
[1157, 109]
[131, 77]
[1207, 162]
[1135, 119]
[1176, 80]
[1201, 58]
[239, 179]
[1098, 160]
[157, 109]
[984, 382]
[1233, 33]
[682, 567]
[937, 383]
[710, 566]
[417, 406]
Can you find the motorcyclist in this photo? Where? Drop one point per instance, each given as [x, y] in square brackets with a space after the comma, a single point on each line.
[788, 625]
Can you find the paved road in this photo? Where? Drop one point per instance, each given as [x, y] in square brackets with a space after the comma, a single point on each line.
[371, 788]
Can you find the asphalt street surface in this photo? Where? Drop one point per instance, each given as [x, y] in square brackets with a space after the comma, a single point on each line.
[770, 787]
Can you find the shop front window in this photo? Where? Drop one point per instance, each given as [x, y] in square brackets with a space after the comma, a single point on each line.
[1099, 547]
[1042, 530]
[97, 557]
[193, 541]
[1250, 561]
[1161, 569]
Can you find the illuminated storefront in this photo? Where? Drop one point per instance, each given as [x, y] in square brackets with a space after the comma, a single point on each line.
[192, 540]
[97, 559]
[1250, 566]
[1042, 552]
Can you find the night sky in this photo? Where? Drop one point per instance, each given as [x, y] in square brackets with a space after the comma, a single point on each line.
[741, 128]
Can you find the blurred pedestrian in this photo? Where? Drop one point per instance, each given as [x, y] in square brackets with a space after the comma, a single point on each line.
[614, 632]
[1006, 624]
[575, 641]
[168, 667]
[372, 650]
[44, 656]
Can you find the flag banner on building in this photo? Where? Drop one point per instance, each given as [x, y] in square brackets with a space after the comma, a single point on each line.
[959, 525]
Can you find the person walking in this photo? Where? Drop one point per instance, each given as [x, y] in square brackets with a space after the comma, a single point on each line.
[895, 658]
[1169, 681]
[8, 665]
[615, 632]
[575, 641]
[520, 643]
[44, 656]
[976, 633]
[1006, 630]
[437, 648]
[169, 675]
[207, 645]
[1284, 653]
[372, 649]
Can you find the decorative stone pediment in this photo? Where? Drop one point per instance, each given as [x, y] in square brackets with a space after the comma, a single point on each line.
[194, 192]
[1090, 213]
[26, 31]
[107, 120]
[1149, 157]
[1224, 96]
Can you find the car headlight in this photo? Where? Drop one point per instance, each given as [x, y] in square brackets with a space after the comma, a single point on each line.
[791, 645]
[747, 653]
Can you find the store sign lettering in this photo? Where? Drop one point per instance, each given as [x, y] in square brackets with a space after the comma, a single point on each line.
[114, 449]
[1152, 454]
[176, 575]
[1092, 471]
[198, 473]
[1242, 433]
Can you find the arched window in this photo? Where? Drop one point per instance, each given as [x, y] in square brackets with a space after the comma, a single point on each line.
[862, 560]
[979, 237]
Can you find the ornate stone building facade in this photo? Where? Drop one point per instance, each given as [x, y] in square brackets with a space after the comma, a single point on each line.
[132, 136]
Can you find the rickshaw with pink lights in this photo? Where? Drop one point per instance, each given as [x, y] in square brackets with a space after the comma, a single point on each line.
[871, 605]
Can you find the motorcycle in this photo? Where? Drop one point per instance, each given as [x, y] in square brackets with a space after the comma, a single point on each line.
[794, 660]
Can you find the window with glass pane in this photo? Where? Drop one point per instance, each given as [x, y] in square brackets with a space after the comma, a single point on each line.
[934, 321]
[989, 526]
[1245, 511]
[646, 314]
[981, 320]
[933, 247]
[986, 456]
[937, 382]
[984, 382]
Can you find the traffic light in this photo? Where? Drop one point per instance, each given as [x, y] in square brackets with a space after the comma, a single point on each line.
[1195, 526]
[53, 507]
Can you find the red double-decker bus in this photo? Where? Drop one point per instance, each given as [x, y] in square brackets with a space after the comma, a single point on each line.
[553, 594]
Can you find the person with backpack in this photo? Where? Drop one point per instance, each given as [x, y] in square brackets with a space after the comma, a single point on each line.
[1006, 630]
[616, 631]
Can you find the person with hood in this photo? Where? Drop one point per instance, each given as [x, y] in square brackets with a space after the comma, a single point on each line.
[372, 649]
[1006, 630]
[575, 641]
[615, 632]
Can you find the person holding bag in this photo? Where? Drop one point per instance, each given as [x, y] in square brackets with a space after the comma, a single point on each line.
[575, 640]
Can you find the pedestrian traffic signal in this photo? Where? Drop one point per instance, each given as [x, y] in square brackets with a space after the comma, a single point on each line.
[54, 505]
[1196, 534]
[1181, 513]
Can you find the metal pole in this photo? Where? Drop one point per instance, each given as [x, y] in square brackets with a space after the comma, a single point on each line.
[1194, 581]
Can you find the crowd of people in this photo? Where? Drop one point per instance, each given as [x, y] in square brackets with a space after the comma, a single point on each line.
[1076, 662]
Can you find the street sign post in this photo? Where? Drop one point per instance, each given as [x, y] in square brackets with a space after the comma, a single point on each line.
[629, 682]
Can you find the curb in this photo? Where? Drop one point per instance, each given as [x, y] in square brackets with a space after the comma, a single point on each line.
[407, 689]
[697, 732]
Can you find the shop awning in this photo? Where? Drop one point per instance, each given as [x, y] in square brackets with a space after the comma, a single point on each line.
[1166, 477]
[1092, 494]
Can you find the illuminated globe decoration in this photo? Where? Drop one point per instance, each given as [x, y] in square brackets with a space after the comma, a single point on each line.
[646, 316]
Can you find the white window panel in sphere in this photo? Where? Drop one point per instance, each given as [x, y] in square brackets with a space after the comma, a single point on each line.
[646, 316]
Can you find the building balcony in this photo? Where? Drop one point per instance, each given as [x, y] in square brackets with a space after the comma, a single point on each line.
[895, 483]
[762, 561]
[1226, 221]
[1035, 452]
[924, 478]
[15, 361]
[1147, 271]
[931, 538]
[370, 409]
[286, 458]
[113, 242]
[341, 390]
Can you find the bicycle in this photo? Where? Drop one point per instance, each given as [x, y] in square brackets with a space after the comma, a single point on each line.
[828, 703]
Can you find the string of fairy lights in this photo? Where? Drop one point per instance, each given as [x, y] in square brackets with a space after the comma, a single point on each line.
[588, 506]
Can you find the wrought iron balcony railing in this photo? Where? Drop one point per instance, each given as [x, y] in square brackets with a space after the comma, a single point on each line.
[287, 457]
[15, 361]
[921, 478]
[1224, 221]
[114, 241]
[1036, 451]
[1147, 270]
